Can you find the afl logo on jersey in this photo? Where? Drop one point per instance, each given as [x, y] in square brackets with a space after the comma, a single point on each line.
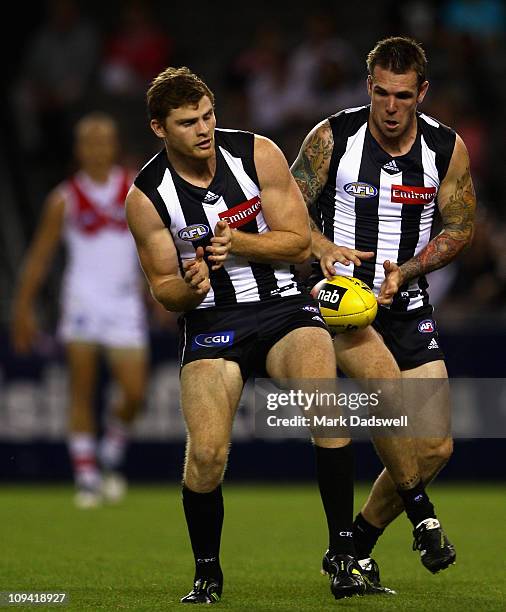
[426, 326]
[361, 190]
[194, 232]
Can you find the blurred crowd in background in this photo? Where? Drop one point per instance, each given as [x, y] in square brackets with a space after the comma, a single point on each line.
[276, 69]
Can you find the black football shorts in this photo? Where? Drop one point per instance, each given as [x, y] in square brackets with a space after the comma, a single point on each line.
[411, 336]
[246, 332]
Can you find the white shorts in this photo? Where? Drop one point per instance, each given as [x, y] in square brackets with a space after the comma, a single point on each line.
[121, 327]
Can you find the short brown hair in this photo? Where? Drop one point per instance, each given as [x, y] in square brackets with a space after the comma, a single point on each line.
[399, 55]
[172, 88]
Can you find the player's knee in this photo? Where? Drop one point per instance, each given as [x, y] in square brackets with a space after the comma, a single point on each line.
[445, 450]
[209, 458]
[438, 452]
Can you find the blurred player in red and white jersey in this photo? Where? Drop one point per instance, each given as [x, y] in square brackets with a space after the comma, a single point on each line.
[102, 306]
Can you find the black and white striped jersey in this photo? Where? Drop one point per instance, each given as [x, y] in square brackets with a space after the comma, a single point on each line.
[191, 214]
[375, 202]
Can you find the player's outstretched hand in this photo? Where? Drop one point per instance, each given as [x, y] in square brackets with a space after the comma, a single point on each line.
[220, 244]
[390, 286]
[343, 255]
[196, 273]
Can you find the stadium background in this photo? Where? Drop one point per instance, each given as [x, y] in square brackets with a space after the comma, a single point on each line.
[277, 69]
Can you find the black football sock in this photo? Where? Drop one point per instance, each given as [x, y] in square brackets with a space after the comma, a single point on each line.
[335, 471]
[204, 517]
[365, 536]
[417, 503]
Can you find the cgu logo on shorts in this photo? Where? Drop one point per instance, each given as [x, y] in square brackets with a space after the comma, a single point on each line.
[361, 190]
[194, 232]
[212, 340]
[242, 213]
[426, 326]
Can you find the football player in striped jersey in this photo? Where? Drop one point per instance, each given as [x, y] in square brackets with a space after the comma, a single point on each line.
[218, 219]
[376, 179]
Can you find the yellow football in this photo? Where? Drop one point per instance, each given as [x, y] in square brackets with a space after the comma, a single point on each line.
[346, 303]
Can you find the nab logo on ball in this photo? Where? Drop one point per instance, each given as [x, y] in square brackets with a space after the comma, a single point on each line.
[194, 232]
[329, 295]
[426, 327]
[212, 340]
[346, 303]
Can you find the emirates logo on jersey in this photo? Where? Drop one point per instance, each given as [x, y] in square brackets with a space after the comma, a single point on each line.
[242, 213]
[407, 194]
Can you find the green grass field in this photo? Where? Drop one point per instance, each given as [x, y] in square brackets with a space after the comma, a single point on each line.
[136, 556]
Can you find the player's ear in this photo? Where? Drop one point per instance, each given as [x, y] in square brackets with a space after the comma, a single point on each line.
[422, 91]
[369, 85]
[157, 128]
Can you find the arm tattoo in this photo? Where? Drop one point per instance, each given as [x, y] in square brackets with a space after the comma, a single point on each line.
[310, 169]
[458, 219]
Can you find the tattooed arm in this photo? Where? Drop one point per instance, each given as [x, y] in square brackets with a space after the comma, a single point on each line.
[310, 170]
[457, 203]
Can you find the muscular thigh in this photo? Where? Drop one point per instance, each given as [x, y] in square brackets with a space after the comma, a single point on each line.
[305, 352]
[433, 369]
[427, 395]
[210, 393]
[363, 354]
[307, 355]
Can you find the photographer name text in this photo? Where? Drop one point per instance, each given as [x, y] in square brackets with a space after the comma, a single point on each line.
[340, 421]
